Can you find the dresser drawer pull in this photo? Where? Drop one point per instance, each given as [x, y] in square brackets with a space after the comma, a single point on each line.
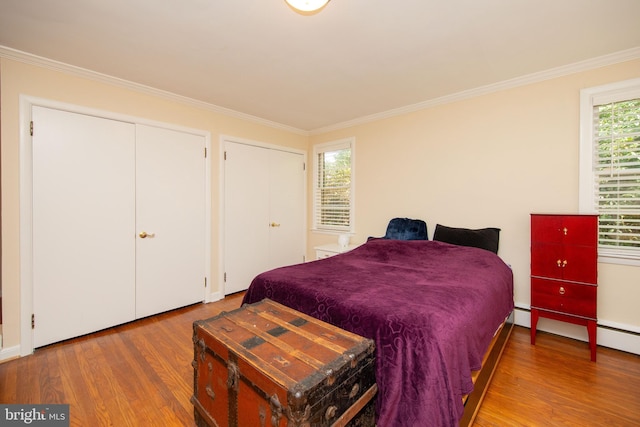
[561, 263]
[561, 290]
[565, 230]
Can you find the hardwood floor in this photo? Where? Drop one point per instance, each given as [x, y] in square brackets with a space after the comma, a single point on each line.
[140, 374]
[554, 383]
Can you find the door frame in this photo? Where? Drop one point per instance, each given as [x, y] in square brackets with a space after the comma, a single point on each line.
[221, 208]
[26, 206]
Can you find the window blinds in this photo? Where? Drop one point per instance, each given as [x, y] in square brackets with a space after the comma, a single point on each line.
[617, 173]
[332, 192]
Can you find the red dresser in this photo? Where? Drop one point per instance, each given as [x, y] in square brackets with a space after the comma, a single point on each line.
[564, 271]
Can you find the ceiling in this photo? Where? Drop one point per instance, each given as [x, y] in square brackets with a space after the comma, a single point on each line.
[353, 59]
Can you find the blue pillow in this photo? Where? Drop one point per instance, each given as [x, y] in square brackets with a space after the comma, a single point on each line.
[406, 229]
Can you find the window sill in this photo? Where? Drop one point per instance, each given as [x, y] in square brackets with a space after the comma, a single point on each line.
[332, 232]
[606, 258]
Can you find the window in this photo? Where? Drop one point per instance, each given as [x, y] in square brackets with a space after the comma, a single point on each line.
[610, 167]
[334, 186]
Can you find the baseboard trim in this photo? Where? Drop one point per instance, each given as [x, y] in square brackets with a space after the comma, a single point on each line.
[214, 296]
[9, 353]
[609, 334]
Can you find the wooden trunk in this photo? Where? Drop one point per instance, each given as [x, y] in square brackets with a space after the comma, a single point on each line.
[265, 364]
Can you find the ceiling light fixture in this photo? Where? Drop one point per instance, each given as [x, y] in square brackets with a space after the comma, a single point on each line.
[307, 5]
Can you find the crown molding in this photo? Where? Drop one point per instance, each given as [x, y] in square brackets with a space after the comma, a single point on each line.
[589, 64]
[30, 59]
[598, 62]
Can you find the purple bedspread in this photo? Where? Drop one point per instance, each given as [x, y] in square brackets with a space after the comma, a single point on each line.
[432, 309]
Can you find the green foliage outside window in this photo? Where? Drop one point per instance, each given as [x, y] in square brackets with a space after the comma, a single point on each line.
[617, 131]
[334, 185]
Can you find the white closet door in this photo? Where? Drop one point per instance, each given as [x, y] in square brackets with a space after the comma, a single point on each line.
[264, 212]
[170, 209]
[286, 208]
[246, 212]
[83, 224]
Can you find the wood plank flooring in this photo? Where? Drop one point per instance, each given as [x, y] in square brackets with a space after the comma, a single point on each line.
[140, 374]
[554, 383]
[137, 374]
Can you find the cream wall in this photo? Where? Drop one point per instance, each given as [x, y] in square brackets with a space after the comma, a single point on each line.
[19, 78]
[488, 161]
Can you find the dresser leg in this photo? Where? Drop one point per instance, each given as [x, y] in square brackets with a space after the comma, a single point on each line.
[591, 329]
[534, 324]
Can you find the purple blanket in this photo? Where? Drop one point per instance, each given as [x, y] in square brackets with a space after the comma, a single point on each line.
[432, 309]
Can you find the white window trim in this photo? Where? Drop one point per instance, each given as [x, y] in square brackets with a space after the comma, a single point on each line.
[588, 99]
[328, 146]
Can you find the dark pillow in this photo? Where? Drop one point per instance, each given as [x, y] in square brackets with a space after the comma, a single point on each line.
[484, 238]
[406, 229]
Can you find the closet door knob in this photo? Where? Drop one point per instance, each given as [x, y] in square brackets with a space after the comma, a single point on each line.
[144, 234]
[274, 224]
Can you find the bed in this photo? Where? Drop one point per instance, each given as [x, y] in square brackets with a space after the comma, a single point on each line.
[433, 309]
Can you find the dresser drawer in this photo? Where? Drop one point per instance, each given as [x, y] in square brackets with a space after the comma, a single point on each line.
[581, 230]
[331, 249]
[574, 263]
[569, 298]
[324, 254]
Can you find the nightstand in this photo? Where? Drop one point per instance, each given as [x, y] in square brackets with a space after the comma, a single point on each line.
[331, 249]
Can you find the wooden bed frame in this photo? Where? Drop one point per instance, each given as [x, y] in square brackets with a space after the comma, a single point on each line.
[482, 378]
